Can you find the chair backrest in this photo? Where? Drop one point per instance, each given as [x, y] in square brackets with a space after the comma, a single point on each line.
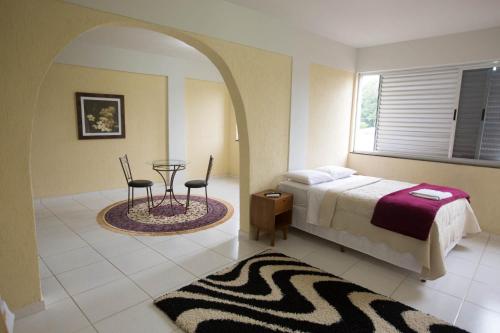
[209, 170]
[126, 168]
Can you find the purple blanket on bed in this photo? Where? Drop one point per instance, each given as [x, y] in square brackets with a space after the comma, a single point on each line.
[412, 216]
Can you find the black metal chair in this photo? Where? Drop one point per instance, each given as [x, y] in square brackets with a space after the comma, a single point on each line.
[200, 183]
[138, 183]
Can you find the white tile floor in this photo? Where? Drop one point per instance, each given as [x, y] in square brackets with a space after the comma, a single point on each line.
[94, 280]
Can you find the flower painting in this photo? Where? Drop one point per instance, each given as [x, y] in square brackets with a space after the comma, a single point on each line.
[100, 116]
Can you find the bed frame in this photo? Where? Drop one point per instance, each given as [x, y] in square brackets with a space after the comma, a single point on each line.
[358, 243]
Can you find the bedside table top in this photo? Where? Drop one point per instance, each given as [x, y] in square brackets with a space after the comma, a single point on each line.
[284, 195]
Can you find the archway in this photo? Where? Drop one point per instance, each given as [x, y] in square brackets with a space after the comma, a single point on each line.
[258, 81]
[233, 91]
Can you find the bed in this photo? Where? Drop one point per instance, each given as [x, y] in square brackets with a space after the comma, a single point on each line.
[341, 211]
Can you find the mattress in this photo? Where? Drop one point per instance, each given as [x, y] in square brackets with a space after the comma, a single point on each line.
[346, 205]
[298, 190]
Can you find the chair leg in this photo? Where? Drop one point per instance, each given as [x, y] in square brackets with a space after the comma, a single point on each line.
[206, 198]
[132, 197]
[187, 199]
[171, 202]
[151, 197]
[128, 199]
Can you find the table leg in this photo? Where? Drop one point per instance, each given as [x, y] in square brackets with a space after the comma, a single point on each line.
[169, 186]
[166, 189]
[172, 177]
[171, 203]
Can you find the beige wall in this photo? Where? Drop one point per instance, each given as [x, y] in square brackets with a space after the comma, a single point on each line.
[233, 145]
[330, 101]
[33, 32]
[61, 164]
[473, 46]
[481, 183]
[209, 116]
[265, 77]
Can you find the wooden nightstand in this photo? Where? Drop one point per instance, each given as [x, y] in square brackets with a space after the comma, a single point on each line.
[271, 213]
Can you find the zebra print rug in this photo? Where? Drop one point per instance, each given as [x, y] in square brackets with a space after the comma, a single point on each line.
[271, 292]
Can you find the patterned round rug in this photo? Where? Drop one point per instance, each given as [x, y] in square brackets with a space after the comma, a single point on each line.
[162, 220]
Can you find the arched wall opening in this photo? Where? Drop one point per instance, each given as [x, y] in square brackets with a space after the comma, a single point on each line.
[258, 83]
[236, 107]
[176, 106]
[234, 99]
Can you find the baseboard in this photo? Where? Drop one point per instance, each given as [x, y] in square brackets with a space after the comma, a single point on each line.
[30, 309]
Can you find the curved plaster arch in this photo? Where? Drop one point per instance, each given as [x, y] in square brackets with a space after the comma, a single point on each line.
[218, 62]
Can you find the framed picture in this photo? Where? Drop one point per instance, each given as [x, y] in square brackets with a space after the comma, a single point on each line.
[100, 116]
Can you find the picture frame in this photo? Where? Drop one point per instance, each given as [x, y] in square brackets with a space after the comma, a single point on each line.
[100, 116]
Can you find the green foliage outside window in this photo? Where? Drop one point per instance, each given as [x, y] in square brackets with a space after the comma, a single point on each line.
[369, 100]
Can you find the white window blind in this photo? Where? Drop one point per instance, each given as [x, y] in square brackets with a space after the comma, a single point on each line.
[415, 115]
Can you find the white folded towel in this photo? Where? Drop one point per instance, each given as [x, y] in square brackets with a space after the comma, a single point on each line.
[6, 318]
[431, 194]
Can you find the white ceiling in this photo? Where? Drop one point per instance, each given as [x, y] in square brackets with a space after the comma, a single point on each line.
[142, 40]
[362, 23]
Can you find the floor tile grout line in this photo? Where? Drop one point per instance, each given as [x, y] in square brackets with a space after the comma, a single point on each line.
[71, 297]
[69, 228]
[441, 291]
[184, 268]
[205, 248]
[472, 279]
[470, 282]
[170, 260]
[106, 259]
[123, 310]
[483, 307]
[130, 279]
[83, 292]
[399, 285]
[352, 266]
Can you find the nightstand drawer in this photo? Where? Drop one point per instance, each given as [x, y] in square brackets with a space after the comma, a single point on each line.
[283, 204]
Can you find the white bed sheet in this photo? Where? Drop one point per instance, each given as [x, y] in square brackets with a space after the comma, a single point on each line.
[298, 190]
[353, 215]
[311, 196]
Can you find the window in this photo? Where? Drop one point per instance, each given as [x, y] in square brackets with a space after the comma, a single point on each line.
[447, 113]
[477, 134]
[367, 112]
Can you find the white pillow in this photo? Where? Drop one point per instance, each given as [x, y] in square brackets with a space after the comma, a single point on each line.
[337, 172]
[309, 177]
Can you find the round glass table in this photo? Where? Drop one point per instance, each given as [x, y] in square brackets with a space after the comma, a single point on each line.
[164, 168]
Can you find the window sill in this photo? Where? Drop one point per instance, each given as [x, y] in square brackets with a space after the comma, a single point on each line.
[458, 161]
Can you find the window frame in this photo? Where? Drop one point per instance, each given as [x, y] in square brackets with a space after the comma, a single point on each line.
[450, 159]
[358, 114]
